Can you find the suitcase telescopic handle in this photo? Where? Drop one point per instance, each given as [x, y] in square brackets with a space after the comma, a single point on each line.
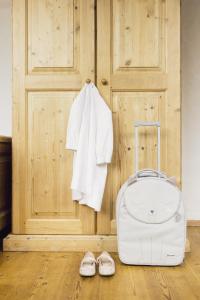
[146, 124]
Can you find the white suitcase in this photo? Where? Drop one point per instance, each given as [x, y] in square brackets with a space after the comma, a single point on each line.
[151, 226]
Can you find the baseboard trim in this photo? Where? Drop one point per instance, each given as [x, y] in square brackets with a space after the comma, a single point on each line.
[59, 243]
[191, 223]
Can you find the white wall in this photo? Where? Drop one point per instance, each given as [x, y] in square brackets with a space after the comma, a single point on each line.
[5, 67]
[191, 106]
[190, 95]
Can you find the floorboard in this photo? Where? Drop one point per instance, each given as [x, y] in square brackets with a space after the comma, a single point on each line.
[54, 276]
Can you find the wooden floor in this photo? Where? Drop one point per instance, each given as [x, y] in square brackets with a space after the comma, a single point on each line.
[46, 276]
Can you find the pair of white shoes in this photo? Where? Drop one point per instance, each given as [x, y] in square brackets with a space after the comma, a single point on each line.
[105, 262]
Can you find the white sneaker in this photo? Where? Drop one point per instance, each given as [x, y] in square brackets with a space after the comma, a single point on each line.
[106, 264]
[88, 265]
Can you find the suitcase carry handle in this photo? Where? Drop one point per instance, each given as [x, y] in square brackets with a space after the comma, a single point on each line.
[149, 172]
[144, 124]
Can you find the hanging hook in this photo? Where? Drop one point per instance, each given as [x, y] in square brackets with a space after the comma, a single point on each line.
[88, 80]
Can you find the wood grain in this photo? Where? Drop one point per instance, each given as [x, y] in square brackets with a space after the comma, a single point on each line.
[140, 59]
[53, 54]
[47, 275]
[47, 242]
[135, 47]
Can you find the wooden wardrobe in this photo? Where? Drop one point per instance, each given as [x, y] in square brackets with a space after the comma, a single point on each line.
[131, 50]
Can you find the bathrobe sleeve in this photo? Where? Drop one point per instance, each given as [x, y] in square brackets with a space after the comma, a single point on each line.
[104, 133]
[74, 122]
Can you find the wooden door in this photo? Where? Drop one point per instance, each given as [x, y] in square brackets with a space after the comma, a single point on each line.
[53, 54]
[138, 73]
[137, 70]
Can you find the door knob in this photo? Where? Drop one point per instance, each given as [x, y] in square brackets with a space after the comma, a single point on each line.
[104, 81]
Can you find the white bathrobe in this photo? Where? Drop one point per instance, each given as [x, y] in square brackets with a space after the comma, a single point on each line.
[90, 136]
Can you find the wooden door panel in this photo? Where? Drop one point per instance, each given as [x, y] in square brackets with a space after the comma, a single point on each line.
[53, 35]
[53, 55]
[140, 59]
[138, 33]
[50, 167]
